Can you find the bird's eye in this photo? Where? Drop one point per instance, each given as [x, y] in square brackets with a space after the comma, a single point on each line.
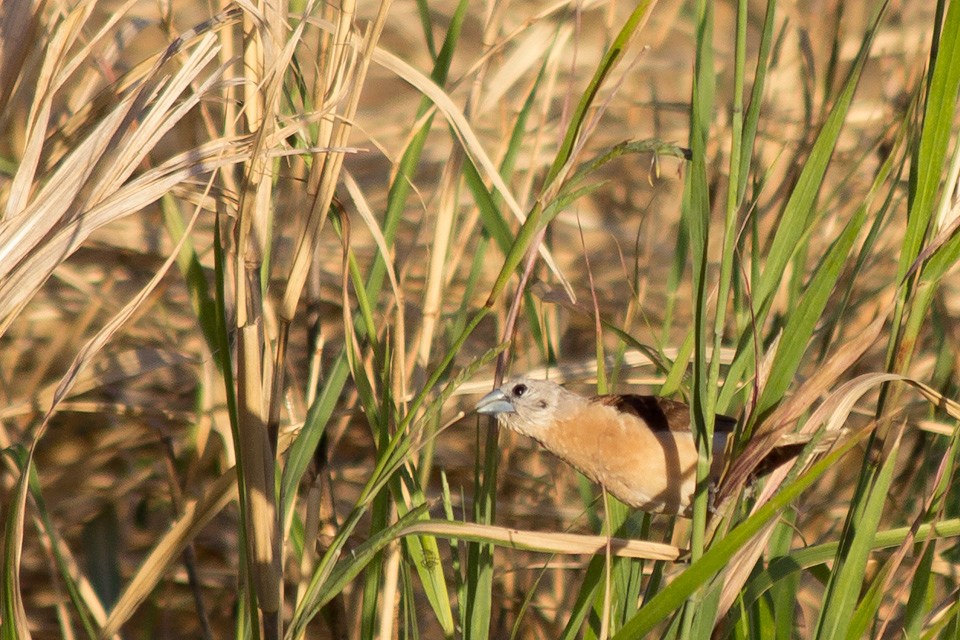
[519, 390]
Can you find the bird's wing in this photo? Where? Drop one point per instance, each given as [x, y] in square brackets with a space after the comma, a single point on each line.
[660, 414]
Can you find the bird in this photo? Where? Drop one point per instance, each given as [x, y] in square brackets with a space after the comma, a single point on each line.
[639, 448]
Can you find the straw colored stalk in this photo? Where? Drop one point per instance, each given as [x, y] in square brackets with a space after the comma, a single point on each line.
[259, 474]
[265, 62]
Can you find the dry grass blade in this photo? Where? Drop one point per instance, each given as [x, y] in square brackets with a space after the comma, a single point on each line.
[157, 509]
[343, 75]
[366, 214]
[470, 142]
[827, 375]
[544, 542]
[122, 366]
[196, 515]
[525, 57]
[267, 54]
[19, 22]
[154, 118]
[266, 62]
[834, 411]
[49, 77]
[95, 344]
[461, 126]
[19, 236]
[32, 271]
[439, 255]
[87, 189]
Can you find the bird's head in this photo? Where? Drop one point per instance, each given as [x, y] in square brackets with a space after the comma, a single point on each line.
[527, 406]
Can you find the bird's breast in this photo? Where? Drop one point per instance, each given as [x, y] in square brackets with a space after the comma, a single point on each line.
[653, 471]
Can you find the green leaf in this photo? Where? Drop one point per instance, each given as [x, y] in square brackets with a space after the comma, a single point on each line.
[667, 601]
[846, 578]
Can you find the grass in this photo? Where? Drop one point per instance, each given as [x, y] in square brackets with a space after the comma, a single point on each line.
[257, 262]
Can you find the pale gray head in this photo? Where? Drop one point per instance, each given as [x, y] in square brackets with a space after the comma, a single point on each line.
[529, 406]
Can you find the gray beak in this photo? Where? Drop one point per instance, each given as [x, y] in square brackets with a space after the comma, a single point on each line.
[494, 403]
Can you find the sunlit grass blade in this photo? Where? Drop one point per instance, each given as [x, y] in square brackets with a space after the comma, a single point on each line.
[695, 212]
[457, 149]
[810, 308]
[259, 473]
[799, 211]
[80, 362]
[927, 169]
[926, 173]
[809, 557]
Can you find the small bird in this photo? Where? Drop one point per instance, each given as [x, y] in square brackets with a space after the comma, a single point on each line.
[640, 448]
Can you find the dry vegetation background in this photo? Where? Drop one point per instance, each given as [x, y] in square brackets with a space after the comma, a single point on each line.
[114, 134]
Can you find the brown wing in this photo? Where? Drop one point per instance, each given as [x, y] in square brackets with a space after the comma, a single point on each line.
[659, 413]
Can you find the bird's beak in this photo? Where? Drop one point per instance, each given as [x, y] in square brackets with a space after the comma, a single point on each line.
[494, 402]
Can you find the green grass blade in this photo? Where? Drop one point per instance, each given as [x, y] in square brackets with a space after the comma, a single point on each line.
[349, 568]
[786, 591]
[843, 587]
[922, 591]
[14, 617]
[927, 168]
[807, 314]
[610, 59]
[696, 213]
[202, 302]
[56, 545]
[751, 119]
[302, 450]
[937, 128]
[668, 600]
[798, 213]
[223, 353]
[800, 208]
[781, 567]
